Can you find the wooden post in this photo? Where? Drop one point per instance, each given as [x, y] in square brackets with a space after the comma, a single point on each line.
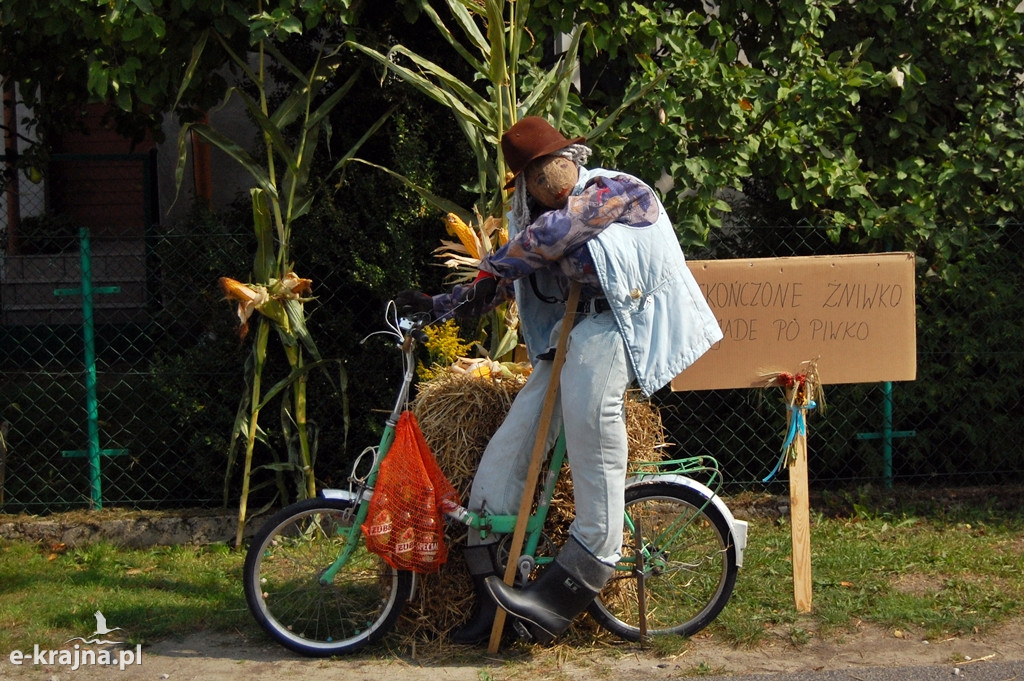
[806, 302]
[539, 449]
[800, 516]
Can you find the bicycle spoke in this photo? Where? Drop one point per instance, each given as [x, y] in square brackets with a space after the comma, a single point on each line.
[285, 591]
[688, 570]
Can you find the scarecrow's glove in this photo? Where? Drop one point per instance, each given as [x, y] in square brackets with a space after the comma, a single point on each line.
[409, 303]
[479, 297]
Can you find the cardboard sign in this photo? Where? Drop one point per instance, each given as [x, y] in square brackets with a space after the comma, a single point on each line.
[854, 314]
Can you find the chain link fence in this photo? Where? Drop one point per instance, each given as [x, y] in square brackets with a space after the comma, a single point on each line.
[168, 369]
[958, 424]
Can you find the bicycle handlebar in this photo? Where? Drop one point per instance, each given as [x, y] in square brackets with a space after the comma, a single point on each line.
[413, 326]
[408, 332]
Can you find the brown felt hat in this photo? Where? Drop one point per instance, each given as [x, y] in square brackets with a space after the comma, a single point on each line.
[529, 139]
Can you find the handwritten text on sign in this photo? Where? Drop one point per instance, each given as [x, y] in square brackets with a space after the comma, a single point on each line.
[855, 313]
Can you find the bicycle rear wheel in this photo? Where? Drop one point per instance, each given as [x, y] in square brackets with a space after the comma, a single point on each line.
[285, 592]
[689, 564]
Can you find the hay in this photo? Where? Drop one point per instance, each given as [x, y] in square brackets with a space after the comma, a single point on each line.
[458, 414]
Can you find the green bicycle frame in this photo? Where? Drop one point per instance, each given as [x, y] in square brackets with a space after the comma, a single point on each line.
[686, 467]
[487, 523]
[387, 438]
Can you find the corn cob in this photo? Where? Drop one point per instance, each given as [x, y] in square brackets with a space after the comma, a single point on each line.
[458, 228]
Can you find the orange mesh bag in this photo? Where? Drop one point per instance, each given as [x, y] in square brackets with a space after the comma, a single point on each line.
[405, 525]
[445, 496]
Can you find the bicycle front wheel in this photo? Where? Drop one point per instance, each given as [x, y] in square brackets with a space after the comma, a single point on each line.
[689, 563]
[288, 595]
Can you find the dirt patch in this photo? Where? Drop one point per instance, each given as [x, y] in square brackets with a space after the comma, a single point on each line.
[140, 529]
[133, 529]
[916, 585]
[231, 657]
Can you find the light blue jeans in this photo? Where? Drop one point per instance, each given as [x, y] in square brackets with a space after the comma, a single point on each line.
[591, 405]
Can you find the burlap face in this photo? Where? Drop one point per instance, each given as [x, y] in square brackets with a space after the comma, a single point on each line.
[550, 180]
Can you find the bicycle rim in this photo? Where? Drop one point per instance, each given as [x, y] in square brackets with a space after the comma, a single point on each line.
[690, 564]
[285, 592]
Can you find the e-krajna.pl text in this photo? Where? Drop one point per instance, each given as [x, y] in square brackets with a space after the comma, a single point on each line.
[78, 657]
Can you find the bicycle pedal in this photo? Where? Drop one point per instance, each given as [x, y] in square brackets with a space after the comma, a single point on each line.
[522, 631]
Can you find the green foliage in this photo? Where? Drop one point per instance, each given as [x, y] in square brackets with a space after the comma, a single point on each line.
[492, 88]
[290, 132]
[718, 120]
[66, 53]
[362, 243]
[967, 399]
[888, 122]
[945, 148]
[488, 88]
[196, 374]
[892, 126]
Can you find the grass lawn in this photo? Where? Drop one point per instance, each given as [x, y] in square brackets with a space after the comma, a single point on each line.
[937, 569]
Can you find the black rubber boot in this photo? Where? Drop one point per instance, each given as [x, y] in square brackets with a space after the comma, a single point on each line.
[548, 605]
[481, 565]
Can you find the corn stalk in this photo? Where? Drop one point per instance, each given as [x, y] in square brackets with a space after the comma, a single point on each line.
[491, 37]
[281, 196]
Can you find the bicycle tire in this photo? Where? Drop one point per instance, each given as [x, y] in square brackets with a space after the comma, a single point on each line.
[690, 573]
[283, 566]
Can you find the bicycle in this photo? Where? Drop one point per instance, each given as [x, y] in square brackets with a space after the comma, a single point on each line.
[312, 584]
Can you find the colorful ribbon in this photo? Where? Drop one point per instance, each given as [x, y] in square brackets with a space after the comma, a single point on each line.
[797, 425]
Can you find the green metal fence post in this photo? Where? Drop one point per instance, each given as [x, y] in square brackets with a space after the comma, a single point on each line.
[887, 434]
[86, 291]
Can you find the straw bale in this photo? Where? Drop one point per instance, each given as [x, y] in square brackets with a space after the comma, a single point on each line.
[458, 414]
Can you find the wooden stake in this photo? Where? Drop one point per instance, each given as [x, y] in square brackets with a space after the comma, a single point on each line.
[539, 450]
[800, 519]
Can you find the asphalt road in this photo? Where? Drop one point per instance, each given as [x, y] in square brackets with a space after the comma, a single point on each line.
[978, 671]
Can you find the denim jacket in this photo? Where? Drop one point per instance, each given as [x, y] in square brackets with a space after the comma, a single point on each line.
[664, 319]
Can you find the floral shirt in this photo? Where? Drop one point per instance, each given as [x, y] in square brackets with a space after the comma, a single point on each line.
[557, 238]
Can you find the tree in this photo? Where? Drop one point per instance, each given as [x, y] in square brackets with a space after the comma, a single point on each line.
[939, 143]
[131, 53]
[887, 121]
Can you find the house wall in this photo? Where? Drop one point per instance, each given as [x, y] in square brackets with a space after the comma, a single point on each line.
[227, 180]
[97, 179]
